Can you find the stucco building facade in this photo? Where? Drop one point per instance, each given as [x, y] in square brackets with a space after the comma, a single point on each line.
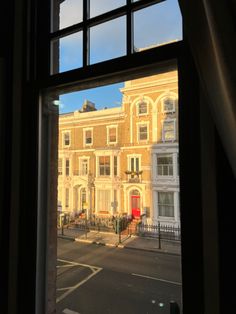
[124, 159]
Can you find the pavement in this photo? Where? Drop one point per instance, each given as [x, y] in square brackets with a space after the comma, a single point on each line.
[124, 241]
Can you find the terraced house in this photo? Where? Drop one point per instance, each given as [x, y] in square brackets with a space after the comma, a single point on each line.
[124, 160]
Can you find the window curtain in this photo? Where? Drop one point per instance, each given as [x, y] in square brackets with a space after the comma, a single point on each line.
[210, 31]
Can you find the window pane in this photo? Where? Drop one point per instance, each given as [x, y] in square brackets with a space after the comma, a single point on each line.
[142, 107]
[67, 53]
[98, 7]
[66, 13]
[157, 24]
[108, 40]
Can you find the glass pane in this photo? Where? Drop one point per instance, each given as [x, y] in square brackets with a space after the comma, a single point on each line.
[98, 7]
[157, 25]
[67, 53]
[108, 40]
[66, 13]
[91, 203]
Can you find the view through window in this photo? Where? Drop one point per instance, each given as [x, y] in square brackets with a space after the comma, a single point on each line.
[118, 198]
[118, 178]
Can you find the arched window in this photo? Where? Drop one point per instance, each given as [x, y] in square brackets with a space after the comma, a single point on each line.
[168, 104]
[142, 108]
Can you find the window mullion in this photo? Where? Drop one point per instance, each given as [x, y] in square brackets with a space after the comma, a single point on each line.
[86, 9]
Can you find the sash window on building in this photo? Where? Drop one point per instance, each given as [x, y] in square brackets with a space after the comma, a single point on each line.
[88, 137]
[143, 132]
[67, 139]
[104, 200]
[168, 130]
[67, 167]
[84, 167]
[166, 204]
[115, 166]
[112, 135]
[104, 165]
[168, 105]
[142, 108]
[164, 165]
[60, 166]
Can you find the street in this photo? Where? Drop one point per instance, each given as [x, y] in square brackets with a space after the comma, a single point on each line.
[95, 279]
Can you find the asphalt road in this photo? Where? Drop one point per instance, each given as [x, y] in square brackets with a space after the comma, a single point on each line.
[94, 279]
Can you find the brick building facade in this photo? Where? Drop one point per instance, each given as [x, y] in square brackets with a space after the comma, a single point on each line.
[123, 159]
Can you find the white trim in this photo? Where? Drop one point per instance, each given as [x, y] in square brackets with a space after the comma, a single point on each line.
[108, 127]
[80, 165]
[140, 101]
[63, 132]
[138, 125]
[166, 121]
[168, 96]
[133, 104]
[84, 136]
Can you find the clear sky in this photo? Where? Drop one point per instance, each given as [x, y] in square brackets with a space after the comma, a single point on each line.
[153, 25]
[107, 96]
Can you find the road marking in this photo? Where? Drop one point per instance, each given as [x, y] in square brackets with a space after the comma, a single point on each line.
[63, 289]
[77, 264]
[157, 279]
[67, 311]
[77, 286]
[94, 269]
[61, 266]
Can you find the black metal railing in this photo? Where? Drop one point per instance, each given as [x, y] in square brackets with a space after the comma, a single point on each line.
[166, 232]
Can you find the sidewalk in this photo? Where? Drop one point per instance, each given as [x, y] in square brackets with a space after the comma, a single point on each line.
[130, 242]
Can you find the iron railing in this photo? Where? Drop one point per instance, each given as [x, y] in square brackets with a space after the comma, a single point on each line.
[166, 232]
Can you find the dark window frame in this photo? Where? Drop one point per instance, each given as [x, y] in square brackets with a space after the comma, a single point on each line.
[34, 61]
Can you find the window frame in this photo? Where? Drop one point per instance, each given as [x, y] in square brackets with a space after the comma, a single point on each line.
[164, 140]
[33, 59]
[168, 155]
[64, 132]
[105, 166]
[139, 125]
[138, 108]
[173, 206]
[109, 127]
[85, 130]
[163, 104]
[81, 159]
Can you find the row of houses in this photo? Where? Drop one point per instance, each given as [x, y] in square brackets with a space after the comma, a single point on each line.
[123, 160]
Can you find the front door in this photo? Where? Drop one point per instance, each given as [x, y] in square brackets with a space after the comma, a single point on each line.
[135, 206]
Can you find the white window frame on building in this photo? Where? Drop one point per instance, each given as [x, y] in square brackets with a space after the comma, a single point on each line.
[172, 217]
[66, 142]
[67, 167]
[115, 165]
[165, 169]
[163, 104]
[103, 202]
[104, 165]
[164, 132]
[139, 126]
[134, 166]
[83, 166]
[142, 112]
[60, 166]
[109, 128]
[88, 143]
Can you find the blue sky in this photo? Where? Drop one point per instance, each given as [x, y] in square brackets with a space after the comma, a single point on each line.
[108, 96]
[154, 25]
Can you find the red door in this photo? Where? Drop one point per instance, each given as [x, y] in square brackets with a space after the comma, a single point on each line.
[135, 206]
